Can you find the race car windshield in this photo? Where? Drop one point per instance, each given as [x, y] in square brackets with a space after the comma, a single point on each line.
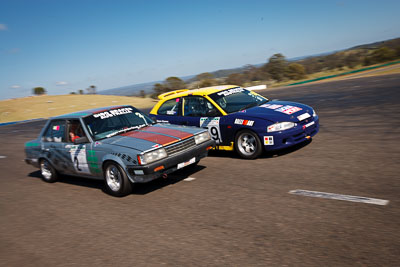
[115, 121]
[237, 99]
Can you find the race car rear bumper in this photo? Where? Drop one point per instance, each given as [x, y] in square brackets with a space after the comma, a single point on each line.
[33, 162]
[147, 173]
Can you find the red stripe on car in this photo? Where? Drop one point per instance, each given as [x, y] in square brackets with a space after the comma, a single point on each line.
[172, 132]
[152, 137]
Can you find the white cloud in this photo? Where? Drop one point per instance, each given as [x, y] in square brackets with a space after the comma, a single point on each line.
[3, 27]
[16, 86]
[61, 83]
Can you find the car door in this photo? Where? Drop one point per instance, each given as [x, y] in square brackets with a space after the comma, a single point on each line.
[170, 111]
[198, 111]
[76, 153]
[52, 144]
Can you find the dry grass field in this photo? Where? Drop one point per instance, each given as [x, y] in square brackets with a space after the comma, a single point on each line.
[46, 106]
[53, 105]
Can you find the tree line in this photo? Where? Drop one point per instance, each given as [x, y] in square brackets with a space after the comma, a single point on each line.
[279, 69]
[42, 91]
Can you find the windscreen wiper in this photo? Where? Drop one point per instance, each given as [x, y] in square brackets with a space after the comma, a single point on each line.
[249, 106]
[125, 130]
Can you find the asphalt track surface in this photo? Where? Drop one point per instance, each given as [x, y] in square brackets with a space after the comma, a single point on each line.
[235, 212]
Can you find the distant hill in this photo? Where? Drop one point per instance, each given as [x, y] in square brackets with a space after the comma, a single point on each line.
[134, 90]
[392, 43]
[129, 90]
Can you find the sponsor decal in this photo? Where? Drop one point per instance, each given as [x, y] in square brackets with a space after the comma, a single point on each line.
[288, 109]
[138, 172]
[56, 128]
[171, 112]
[114, 112]
[212, 124]
[231, 91]
[271, 106]
[244, 122]
[162, 121]
[309, 124]
[303, 116]
[268, 140]
[78, 158]
[184, 164]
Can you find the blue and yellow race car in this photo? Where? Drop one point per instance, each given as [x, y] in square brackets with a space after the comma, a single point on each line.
[239, 119]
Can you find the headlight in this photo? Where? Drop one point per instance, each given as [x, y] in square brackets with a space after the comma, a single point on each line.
[314, 114]
[152, 156]
[202, 137]
[280, 126]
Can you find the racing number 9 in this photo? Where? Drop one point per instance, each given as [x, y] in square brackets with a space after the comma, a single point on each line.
[215, 134]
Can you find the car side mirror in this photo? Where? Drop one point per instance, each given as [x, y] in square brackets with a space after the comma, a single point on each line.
[81, 140]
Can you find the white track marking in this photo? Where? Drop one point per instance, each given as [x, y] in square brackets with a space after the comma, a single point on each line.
[366, 200]
[189, 179]
[3, 157]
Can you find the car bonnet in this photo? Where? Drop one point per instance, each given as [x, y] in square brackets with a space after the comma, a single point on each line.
[151, 136]
[276, 111]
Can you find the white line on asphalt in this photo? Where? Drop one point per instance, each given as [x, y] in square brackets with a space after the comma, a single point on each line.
[3, 157]
[366, 200]
[189, 179]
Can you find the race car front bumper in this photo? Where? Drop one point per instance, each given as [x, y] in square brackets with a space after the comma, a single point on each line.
[147, 173]
[288, 138]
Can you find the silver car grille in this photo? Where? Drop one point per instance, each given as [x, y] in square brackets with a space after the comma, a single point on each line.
[180, 146]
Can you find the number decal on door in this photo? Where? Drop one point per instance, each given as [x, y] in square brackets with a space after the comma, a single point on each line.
[212, 124]
[78, 157]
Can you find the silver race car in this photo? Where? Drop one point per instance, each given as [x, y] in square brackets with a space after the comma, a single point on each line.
[119, 144]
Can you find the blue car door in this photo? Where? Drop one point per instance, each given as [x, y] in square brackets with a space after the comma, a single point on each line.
[198, 111]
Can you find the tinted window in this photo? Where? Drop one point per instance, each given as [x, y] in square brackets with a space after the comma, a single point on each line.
[115, 121]
[170, 107]
[55, 132]
[236, 99]
[197, 106]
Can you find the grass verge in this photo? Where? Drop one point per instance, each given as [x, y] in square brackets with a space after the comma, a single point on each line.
[46, 106]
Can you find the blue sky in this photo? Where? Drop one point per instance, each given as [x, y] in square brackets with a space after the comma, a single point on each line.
[65, 46]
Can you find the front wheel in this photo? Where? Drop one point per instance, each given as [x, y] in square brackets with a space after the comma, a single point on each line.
[116, 181]
[49, 174]
[248, 145]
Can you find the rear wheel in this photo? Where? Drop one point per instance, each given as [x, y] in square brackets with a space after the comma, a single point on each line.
[49, 174]
[248, 145]
[116, 180]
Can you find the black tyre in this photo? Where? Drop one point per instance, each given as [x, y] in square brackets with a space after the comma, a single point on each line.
[49, 174]
[116, 181]
[247, 144]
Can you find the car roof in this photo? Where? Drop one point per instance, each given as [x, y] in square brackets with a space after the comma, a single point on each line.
[200, 91]
[88, 112]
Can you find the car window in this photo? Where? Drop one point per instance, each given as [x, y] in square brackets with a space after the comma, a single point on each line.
[170, 107]
[55, 132]
[75, 130]
[115, 121]
[237, 99]
[198, 106]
